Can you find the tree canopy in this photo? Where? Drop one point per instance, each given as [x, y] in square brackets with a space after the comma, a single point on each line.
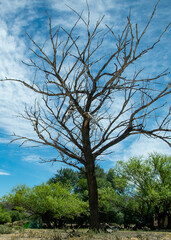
[50, 203]
[149, 183]
[133, 192]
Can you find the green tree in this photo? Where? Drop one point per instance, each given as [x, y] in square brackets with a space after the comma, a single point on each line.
[17, 215]
[51, 203]
[118, 182]
[65, 176]
[17, 198]
[4, 216]
[149, 184]
[110, 205]
[79, 89]
[82, 188]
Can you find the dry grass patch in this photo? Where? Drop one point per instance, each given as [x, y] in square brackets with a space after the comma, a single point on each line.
[35, 234]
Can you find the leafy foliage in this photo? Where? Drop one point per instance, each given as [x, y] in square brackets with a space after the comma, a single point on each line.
[4, 216]
[131, 193]
[149, 184]
[48, 202]
[65, 176]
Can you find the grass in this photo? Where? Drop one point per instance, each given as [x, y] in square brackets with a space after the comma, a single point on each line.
[7, 233]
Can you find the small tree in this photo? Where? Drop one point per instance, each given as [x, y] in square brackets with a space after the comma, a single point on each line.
[65, 176]
[79, 83]
[150, 183]
[50, 203]
[4, 216]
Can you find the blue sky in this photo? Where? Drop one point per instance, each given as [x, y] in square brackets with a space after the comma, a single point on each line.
[20, 165]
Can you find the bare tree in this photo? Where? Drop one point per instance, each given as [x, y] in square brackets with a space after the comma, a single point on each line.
[79, 85]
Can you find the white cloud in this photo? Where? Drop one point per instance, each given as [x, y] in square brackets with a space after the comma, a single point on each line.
[13, 22]
[37, 160]
[31, 158]
[13, 98]
[3, 173]
[143, 146]
[4, 140]
[135, 147]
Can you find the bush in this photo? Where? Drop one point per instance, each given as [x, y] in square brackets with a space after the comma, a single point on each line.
[4, 217]
[15, 215]
[5, 229]
[27, 225]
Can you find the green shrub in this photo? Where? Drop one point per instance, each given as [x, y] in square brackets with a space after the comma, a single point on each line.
[27, 225]
[4, 217]
[15, 215]
[5, 229]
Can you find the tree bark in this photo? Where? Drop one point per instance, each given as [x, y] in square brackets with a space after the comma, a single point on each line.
[93, 198]
[90, 174]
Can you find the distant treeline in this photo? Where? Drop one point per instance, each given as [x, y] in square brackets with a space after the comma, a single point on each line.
[136, 192]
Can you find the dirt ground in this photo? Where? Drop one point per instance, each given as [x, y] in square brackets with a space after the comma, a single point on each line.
[31, 234]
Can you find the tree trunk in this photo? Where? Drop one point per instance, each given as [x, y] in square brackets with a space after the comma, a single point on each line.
[90, 174]
[93, 198]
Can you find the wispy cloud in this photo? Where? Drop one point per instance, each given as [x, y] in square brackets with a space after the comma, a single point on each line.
[20, 16]
[37, 160]
[142, 146]
[4, 140]
[3, 173]
[31, 158]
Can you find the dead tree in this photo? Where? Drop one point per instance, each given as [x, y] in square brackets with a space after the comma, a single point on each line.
[79, 85]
